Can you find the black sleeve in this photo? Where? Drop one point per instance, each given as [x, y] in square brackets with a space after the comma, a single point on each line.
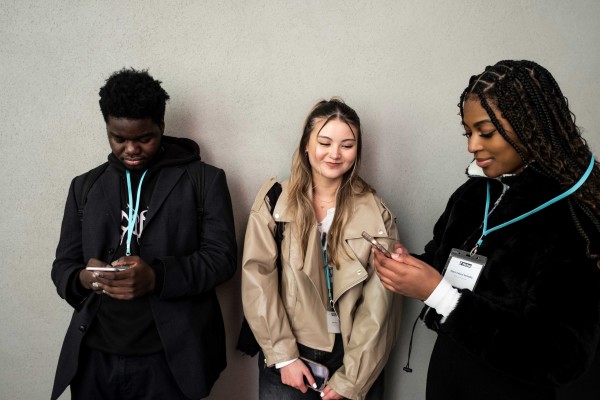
[216, 259]
[69, 254]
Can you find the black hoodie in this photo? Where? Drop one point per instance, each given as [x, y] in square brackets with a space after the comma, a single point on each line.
[127, 327]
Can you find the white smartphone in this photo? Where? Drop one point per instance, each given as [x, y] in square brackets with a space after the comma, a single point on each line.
[112, 269]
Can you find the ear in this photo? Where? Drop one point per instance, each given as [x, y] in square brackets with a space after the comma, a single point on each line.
[161, 125]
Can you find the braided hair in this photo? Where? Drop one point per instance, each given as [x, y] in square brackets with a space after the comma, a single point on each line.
[529, 98]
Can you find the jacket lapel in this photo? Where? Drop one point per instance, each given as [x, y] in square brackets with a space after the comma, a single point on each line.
[165, 183]
[366, 216]
[312, 263]
[111, 190]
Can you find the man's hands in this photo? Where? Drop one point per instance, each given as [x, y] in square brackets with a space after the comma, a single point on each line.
[405, 274]
[133, 282]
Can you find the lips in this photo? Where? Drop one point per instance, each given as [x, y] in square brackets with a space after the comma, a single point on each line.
[483, 162]
[133, 161]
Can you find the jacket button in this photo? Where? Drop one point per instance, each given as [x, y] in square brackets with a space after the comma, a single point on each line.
[111, 250]
[82, 328]
[359, 272]
[380, 232]
[276, 215]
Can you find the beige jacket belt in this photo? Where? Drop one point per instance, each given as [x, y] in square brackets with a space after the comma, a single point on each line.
[369, 314]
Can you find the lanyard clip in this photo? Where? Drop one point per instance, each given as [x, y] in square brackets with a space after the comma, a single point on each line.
[474, 250]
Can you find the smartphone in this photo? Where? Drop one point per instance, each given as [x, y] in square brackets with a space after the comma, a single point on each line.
[375, 243]
[113, 269]
[319, 372]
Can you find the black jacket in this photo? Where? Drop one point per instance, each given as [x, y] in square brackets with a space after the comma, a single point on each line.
[535, 311]
[185, 308]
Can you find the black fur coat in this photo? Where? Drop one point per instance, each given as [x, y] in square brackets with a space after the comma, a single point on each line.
[534, 313]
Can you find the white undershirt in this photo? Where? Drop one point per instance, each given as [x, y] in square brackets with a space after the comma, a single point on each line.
[444, 299]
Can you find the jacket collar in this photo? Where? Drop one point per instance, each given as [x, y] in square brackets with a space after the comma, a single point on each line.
[362, 215]
[366, 216]
[166, 181]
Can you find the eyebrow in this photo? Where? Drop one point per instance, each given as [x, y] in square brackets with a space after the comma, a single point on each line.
[142, 136]
[479, 123]
[327, 137]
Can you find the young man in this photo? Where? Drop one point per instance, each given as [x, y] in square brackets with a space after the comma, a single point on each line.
[153, 330]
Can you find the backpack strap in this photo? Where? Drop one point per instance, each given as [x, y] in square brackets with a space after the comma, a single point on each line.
[247, 343]
[273, 196]
[195, 171]
[89, 180]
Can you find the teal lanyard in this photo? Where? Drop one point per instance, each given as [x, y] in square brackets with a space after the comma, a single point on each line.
[133, 211]
[328, 279]
[487, 231]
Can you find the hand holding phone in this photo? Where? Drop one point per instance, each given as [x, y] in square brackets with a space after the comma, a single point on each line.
[319, 372]
[375, 243]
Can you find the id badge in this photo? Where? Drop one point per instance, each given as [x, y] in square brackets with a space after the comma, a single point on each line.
[333, 322]
[462, 269]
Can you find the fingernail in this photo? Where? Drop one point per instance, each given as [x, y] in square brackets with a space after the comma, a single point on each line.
[315, 385]
[322, 394]
[96, 274]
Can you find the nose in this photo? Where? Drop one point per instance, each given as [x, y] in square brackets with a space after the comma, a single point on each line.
[474, 144]
[132, 147]
[335, 152]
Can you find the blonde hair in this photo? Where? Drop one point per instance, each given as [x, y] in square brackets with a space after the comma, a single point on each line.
[301, 183]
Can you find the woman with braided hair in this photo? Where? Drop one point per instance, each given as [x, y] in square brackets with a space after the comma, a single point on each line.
[511, 278]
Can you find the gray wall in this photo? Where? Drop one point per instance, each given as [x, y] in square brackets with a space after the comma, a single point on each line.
[242, 76]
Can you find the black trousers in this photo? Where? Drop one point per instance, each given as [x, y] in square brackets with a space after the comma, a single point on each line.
[108, 376]
[454, 374]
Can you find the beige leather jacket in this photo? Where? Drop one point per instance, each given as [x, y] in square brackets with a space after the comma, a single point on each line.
[369, 314]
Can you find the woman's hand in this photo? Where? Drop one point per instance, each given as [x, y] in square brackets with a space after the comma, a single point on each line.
[329, 394]
[405, 274]
[293, 375]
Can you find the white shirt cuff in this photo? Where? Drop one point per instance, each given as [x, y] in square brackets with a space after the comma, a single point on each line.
[444, 299]
[284, 363]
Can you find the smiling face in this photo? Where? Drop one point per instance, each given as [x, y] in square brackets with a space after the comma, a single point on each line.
[492, 152]
[134, 142]
[331, 150]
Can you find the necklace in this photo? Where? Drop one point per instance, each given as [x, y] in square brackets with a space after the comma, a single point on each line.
[324, 203]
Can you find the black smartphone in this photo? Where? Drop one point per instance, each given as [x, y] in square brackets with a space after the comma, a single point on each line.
[319, 372]
[375, 243]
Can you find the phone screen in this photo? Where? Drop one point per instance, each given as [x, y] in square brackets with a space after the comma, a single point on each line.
[319, 372]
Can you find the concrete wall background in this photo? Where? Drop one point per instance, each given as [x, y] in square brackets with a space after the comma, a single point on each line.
[242, 76]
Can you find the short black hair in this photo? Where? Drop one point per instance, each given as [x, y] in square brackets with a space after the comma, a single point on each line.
[133, 94]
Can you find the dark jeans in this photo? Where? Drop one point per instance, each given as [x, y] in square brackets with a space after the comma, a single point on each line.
[271, 388]
[106, 376]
